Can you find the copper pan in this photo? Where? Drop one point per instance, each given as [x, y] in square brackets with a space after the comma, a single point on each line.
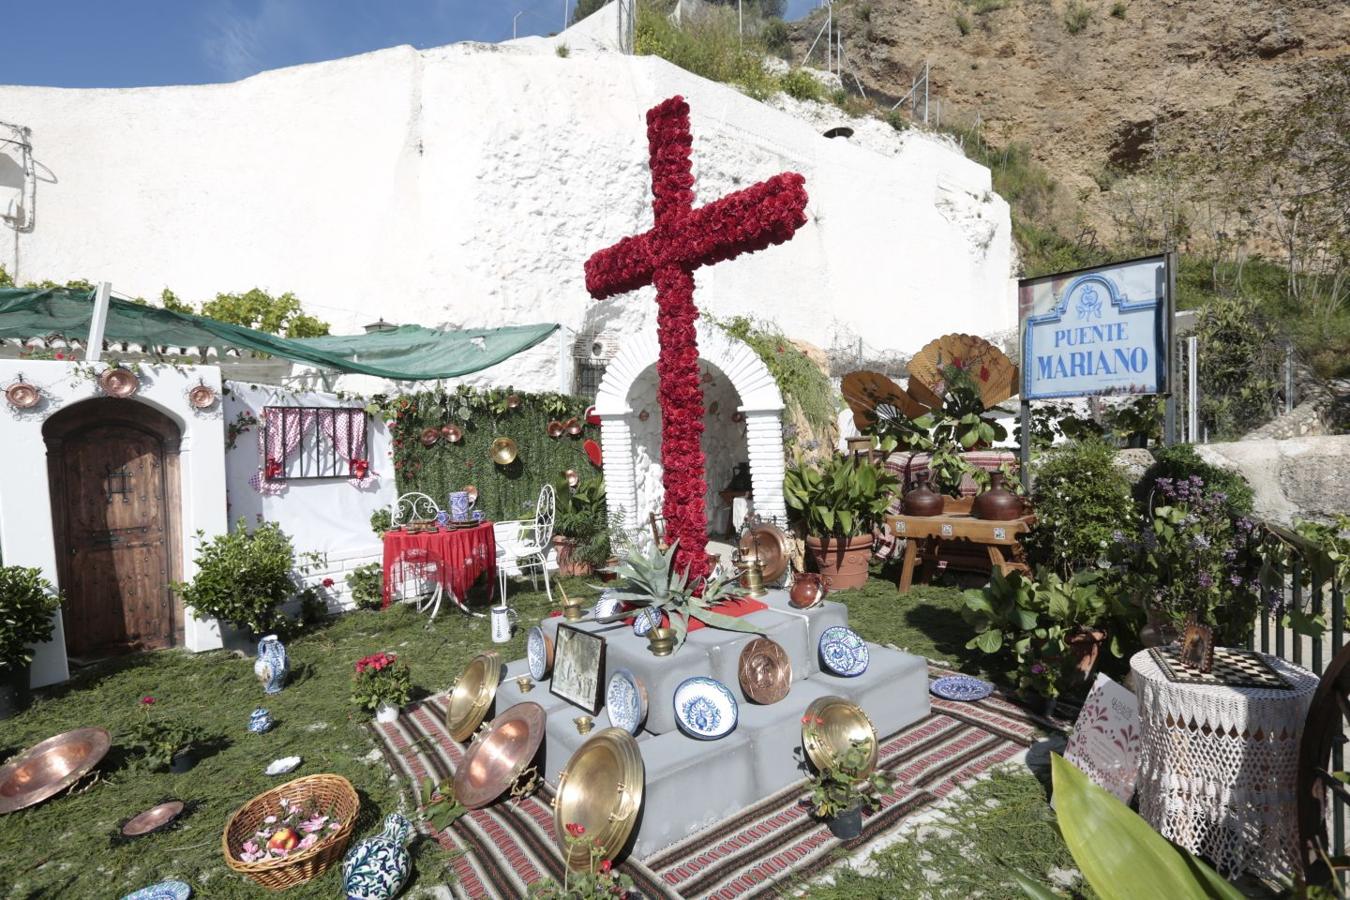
[46, 769]
[600, 789]
[472, 695]
[494, 762]
[451, 433]
[773, 549]
[765, 672]
[153, 819]
[430, 436]
[202, 397]
[22, 395]
[830, 726]
[572, 427]
[555, 429]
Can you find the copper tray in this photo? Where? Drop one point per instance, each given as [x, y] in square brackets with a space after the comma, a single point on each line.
[202, 397]
[48, 768]
[601, 790]
[22, 395]
[153, 819]
[472, 695]
[119, 382]
[773, 549]
[494, 762]
[765, 671]
[830, 726]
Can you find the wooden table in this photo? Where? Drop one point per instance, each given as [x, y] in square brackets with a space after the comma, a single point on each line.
[996, 536]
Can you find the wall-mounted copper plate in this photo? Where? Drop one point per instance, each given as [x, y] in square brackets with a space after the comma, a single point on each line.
[555, 429]
[494, 762]
[22, 395]
[601, 790]
[765, 672]
[572, 427]
[451, 433]
[830, 726]
[773, 549]
[430, 436]
[119, 382]
[472, 695]
[48, 768]
[202, 397]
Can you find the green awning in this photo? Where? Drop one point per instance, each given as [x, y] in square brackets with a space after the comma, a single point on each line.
[407, 353]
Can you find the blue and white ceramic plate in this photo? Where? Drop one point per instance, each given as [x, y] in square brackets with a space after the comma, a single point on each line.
[626, 700]
[536, 653]
[961, 687]
[165, 890]
[705, 709]
[843, 652]
[645, 620]
[607, 605]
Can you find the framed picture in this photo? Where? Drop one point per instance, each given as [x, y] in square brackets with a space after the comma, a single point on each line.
[1197, 647]
[579, 668]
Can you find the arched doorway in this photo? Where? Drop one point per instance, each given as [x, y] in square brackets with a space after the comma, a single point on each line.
[113, 469]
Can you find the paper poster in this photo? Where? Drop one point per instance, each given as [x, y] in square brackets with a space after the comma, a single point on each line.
[1105, 740]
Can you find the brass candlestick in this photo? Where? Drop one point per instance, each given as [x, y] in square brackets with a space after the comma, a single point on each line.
[524, 683]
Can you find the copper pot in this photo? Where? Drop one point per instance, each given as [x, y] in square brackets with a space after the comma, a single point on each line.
[202, 397]
[922, 501]
[430, 436]
[807, 591]
[451, 433]
[998, 502]
[572, 427]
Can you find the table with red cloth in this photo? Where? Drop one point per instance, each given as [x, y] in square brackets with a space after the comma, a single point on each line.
[461, 556]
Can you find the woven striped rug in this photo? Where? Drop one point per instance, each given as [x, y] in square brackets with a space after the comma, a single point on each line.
[497, 852]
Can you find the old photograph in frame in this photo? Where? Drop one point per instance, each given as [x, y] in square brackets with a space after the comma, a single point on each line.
[579, 668]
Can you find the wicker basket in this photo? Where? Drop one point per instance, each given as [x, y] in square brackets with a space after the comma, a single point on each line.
[331, 794]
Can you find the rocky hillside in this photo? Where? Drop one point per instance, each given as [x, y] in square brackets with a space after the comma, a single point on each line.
[1085, 83]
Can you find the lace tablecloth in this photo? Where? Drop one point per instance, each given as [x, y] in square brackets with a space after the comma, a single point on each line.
[1218, 766]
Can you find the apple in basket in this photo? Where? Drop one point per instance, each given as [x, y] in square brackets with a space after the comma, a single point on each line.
[283, 839]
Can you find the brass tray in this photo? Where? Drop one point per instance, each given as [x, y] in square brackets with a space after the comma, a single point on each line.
[48, 768]
[765, 672]
[472, 695]
[773, 549]
[494, 762]
[601, 790]
[830, 726]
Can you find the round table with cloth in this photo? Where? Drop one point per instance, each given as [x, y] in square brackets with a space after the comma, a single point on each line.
[1218, 766]
[456, 558]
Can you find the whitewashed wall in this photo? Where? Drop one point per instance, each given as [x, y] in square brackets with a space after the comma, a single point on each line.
[330, 516]
[467, 185]
[26, 537]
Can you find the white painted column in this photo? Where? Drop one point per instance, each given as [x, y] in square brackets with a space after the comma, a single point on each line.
[616, 446]
[764, 441]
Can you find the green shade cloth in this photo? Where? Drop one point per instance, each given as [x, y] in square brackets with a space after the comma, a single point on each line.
[406, 353]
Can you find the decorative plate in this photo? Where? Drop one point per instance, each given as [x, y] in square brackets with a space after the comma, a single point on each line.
[202, 397]
[843, 652]
[645, 619]
[607, 605]
[156, 818]
[430, 436]
[961, 687]
[705, 709]
[626, 700]
[765, 672]
[282, 766]
[538, 653]
[22, 395]
[119, 382]
[165, 890]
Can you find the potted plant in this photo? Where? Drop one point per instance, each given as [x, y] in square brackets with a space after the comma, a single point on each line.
[243, 577]
[28, 605]
[581, 532]
[839, 794]
[598, 879]
[165, 743]
[839, 502]
[367, 586]
[381, 684]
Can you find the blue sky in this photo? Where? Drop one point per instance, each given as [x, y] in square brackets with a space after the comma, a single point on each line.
[126, 43]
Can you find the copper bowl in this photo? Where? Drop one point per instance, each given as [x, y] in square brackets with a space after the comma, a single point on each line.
[451, 433]
[555, 429]
[572, 427]
[765, 672]
[50, 767]
[119, 382]
[494, 762]
[430, 436]
[504, 451]
[772, 544]
[573, 479]
[153, 819]
[513, 401]
[830, 727]
[601, 790]
[472, 695]
[202, 397]
[22, 395]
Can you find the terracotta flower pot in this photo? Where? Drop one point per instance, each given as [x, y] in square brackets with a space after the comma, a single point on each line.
[1085, 645]
[567, 566]
[842, 564]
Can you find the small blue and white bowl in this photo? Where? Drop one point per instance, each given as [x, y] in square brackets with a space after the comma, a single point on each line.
[164, 890]
[645, 619]
[260, 721]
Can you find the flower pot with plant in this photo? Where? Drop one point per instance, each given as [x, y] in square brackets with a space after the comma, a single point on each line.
[580, 527]
[28, 604]
[381, 684]
[840, 793]
[839, 502]
[164, 742]
[243, 577]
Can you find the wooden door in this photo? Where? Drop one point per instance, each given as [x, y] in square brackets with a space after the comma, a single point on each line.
[113, 520]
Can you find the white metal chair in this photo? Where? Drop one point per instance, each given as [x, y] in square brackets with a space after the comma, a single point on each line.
[413, 508]
[416, 578]
[524, 544]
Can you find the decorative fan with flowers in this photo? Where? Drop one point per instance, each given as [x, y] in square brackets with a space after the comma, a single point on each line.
[989, 368]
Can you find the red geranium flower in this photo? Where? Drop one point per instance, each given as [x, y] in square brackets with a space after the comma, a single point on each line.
[575, 829]
[147, 701]
[328, 582]
[605, 866]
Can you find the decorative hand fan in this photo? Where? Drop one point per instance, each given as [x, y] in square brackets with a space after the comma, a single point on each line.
[986, 364]
[873, 397]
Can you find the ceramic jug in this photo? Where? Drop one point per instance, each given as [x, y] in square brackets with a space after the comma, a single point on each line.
[922, 501]
[461, 505]
[998, 502]
[273, 664]
[378, 867]
[503, 619]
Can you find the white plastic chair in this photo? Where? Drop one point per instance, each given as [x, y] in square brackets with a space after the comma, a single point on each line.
[413, 507]
[524, 544]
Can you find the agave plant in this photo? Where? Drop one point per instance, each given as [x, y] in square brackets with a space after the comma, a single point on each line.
[649, 579]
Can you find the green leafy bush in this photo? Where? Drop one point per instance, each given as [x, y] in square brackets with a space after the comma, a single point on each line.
[804, 386]
[582, 516]
[776, 37]
[243, 577]
[840, 497]
[28, 603]
[1179, 462]
[801, 85]
[1237, 367]
[845, 786]
[1082, 502]
[158, 738]
[367, 586]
